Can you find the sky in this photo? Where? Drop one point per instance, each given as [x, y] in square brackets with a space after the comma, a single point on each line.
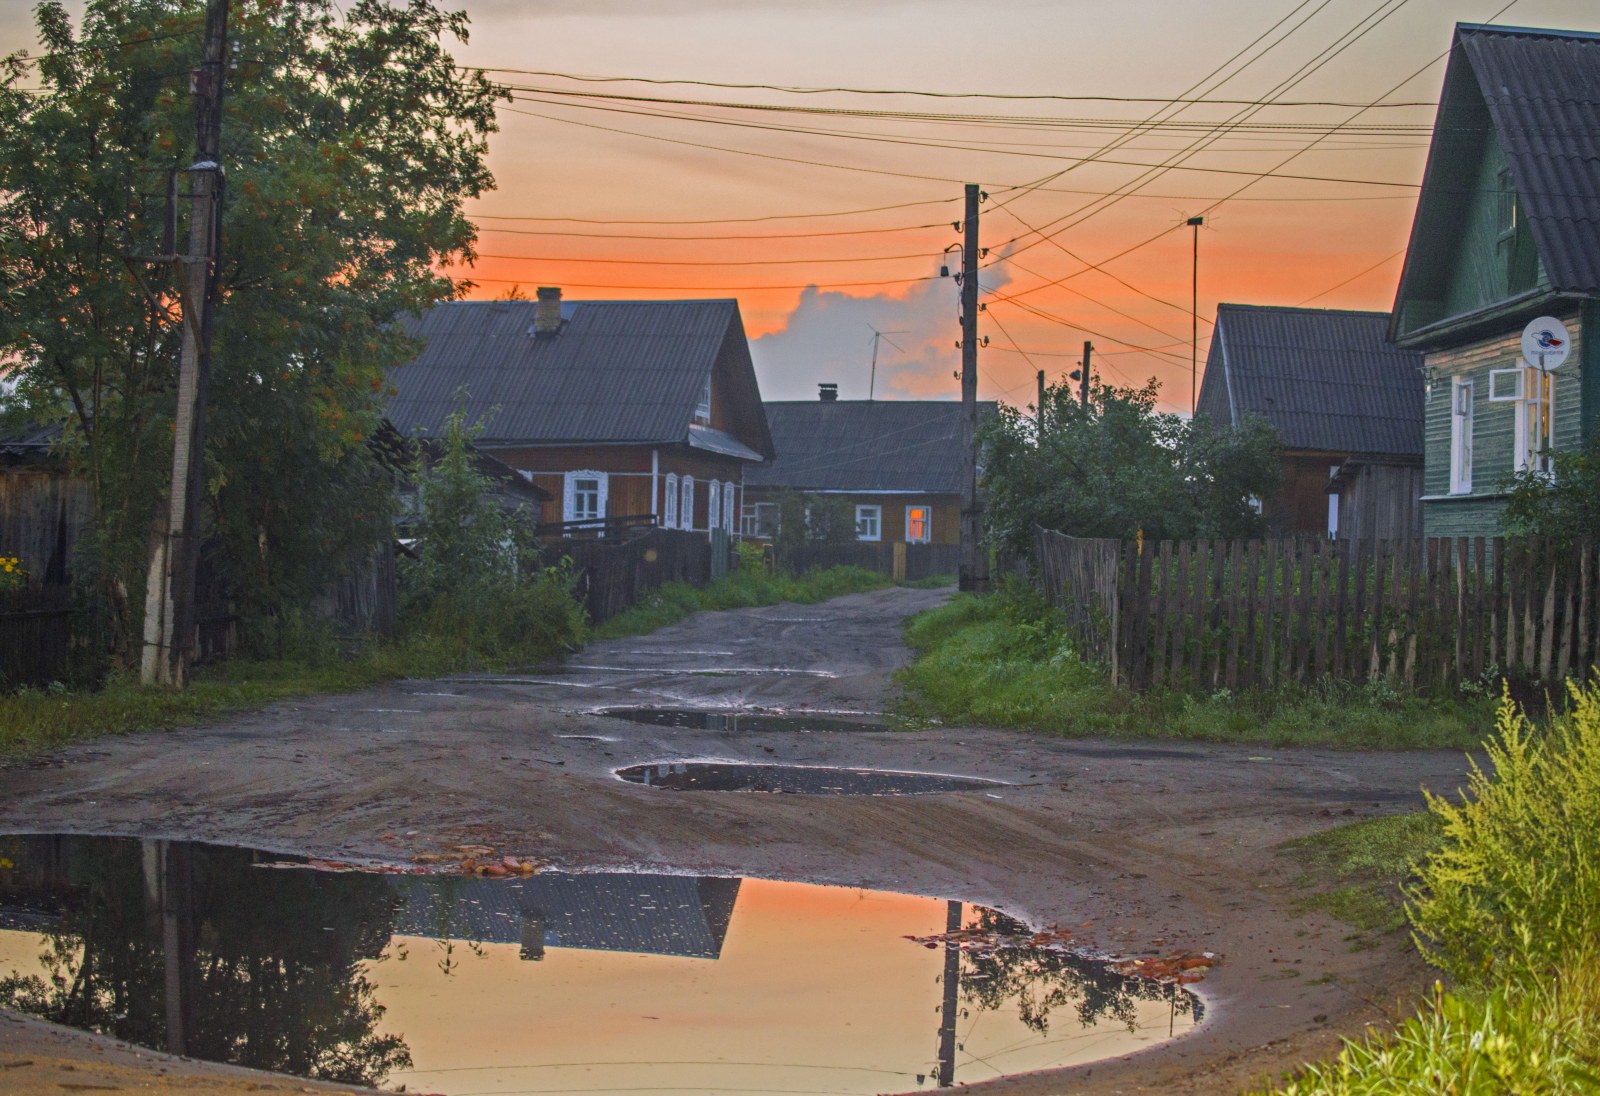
[624, 172]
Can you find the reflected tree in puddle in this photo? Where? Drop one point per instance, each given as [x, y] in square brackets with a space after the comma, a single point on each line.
[259, 968]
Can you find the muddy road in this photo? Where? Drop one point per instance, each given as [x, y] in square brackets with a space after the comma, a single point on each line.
[1161, 846]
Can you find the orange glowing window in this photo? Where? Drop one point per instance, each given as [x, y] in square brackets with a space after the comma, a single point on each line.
[919, 523]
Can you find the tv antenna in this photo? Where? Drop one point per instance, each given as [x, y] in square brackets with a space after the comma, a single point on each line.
[877, 337]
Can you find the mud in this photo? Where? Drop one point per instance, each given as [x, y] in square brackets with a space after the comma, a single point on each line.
[1142, 849]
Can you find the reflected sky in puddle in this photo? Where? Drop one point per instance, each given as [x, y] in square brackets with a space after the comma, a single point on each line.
[550, 983]
[739, 776]
[706, 719]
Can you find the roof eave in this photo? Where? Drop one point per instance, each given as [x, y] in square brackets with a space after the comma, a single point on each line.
[1454, 329]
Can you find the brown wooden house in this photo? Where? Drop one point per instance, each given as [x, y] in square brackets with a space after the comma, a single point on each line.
[619, 409]
[898, 462]
[1347, 404]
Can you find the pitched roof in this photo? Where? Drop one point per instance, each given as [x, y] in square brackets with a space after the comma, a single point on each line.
[1328, 380]
[1542, 88]
[865, 445]
[618, 372]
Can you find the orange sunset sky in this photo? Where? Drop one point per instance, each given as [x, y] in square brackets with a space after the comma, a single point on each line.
[825, 212]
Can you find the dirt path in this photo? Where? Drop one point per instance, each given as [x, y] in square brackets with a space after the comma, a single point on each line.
[1153, 842]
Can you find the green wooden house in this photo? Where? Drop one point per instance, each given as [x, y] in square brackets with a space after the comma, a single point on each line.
[1507, 230]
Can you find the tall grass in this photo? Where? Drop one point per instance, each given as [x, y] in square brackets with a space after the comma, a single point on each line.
[1508, 905]
[1005, 661]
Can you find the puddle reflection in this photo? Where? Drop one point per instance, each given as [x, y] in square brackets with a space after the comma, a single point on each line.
[736, 776]
[594, 983]
[703, 719]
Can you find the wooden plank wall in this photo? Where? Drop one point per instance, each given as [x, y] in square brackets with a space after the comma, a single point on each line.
[35, 635]
[613, 576]
[922, 560]
[1419, 613]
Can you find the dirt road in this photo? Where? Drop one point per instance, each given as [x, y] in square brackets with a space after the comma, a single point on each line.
[1151, 841]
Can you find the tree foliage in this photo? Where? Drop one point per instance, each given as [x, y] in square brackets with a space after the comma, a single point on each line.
[1565, 506]
[350, 141]
[1116, 467]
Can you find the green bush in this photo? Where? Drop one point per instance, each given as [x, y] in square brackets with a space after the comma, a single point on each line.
[1514, 893]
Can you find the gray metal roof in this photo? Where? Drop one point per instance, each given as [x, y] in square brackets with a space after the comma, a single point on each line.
[618, 372]
[865, 445]
[640, 913]
[1542, 88]
[1328, 380]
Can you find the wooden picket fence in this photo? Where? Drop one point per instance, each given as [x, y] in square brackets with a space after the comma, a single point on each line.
[35, 635]
[613, 575]
[1214, 614]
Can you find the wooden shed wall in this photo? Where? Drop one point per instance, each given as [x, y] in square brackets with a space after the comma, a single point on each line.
[43, 514]
[1381, 501]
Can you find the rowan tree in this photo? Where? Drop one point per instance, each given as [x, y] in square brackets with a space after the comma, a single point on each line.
[350, 141]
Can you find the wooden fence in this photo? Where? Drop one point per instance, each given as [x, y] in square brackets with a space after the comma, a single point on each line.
[613, 575]
[902, 560]
[35, 635]
[1213, 614]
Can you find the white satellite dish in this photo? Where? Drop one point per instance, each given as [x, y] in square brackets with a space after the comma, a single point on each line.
[1546, 343]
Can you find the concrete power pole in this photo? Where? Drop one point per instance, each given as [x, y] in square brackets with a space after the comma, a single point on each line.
[974, 566]
[169, 616]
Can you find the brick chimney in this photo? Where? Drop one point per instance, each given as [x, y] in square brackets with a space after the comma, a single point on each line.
[547, 312]
[827, 393]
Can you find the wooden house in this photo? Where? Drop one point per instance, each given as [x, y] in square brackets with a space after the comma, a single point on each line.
[45, 508]
[897, 462]
[1507, 231]
[646, 410]
[1347, 404]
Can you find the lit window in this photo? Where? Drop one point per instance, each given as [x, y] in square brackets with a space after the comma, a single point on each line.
[869, 523]
[1460, 436]
[919, 523]
[1535, 420]
[686, 506]
[669, 516]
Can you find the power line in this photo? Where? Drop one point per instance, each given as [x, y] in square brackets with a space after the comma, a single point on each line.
[707, 262]
[709, 288]
[723, 220]
[701, 238]
[1381, 262]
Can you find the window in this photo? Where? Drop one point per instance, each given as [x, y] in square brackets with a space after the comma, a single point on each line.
[702, 412]
[1506, 385]
[727, 506]
[1333, 506]
[759, 519]
[714, 505]
[919, 523]
[584, 496]
[1460, 436]
[1535, 419]
[1506, 204]
[686, 505]
[669, 515]
[869, 523]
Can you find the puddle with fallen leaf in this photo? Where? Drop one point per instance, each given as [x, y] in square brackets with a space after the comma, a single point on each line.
[459, 983]
[738, 776]
[706, 719]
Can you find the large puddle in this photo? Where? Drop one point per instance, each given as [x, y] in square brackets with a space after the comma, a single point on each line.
[739, 776]
[552, 982]
[703, 719]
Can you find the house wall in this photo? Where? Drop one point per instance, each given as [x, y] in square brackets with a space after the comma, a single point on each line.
[44, 512]
[1477, 513]
[1488, 267]
[1301, 505]
[628, 477]
[946, 511]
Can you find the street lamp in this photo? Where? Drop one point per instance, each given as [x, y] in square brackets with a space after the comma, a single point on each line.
[1194, 321]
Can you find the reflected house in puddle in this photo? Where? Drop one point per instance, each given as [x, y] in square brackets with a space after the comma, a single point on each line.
[681, 915]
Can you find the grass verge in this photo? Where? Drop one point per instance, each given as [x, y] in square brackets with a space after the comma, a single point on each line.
[1003, 661]
[749, 586]
[1355, 872]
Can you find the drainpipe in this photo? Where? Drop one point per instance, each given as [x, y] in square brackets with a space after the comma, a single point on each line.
[655, 472]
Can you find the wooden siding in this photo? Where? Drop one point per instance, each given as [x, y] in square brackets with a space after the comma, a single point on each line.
[1493, 428]
[1484, 268]
[43, 514]
[1301, 505]
[627, 469]
[946, 511]
[1382, 502]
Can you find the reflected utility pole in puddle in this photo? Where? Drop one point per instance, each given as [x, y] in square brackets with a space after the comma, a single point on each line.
[169, 909]
[952, 986]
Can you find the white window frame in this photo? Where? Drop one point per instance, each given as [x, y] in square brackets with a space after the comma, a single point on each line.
[569, 495]
[686, 505]
[669, 509]
[1497, 392]
[702, 411]
[1535, 423]
[866, 514]
[1333, 506]
[713, 505]
[927, 526]
[728, 509]
[1462, 395]
[750, 519]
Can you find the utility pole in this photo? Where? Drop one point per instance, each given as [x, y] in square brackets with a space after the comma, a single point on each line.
[1083, 382]
[1194, 320]
[974, 566]
[169, 619]
[878, 336]
[1039, 418]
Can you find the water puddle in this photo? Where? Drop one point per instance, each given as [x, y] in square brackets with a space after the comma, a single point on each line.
[553, 982]
[735, 776]
[702, 719]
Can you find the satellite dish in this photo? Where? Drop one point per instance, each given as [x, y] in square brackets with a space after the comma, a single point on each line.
[1546, 343]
